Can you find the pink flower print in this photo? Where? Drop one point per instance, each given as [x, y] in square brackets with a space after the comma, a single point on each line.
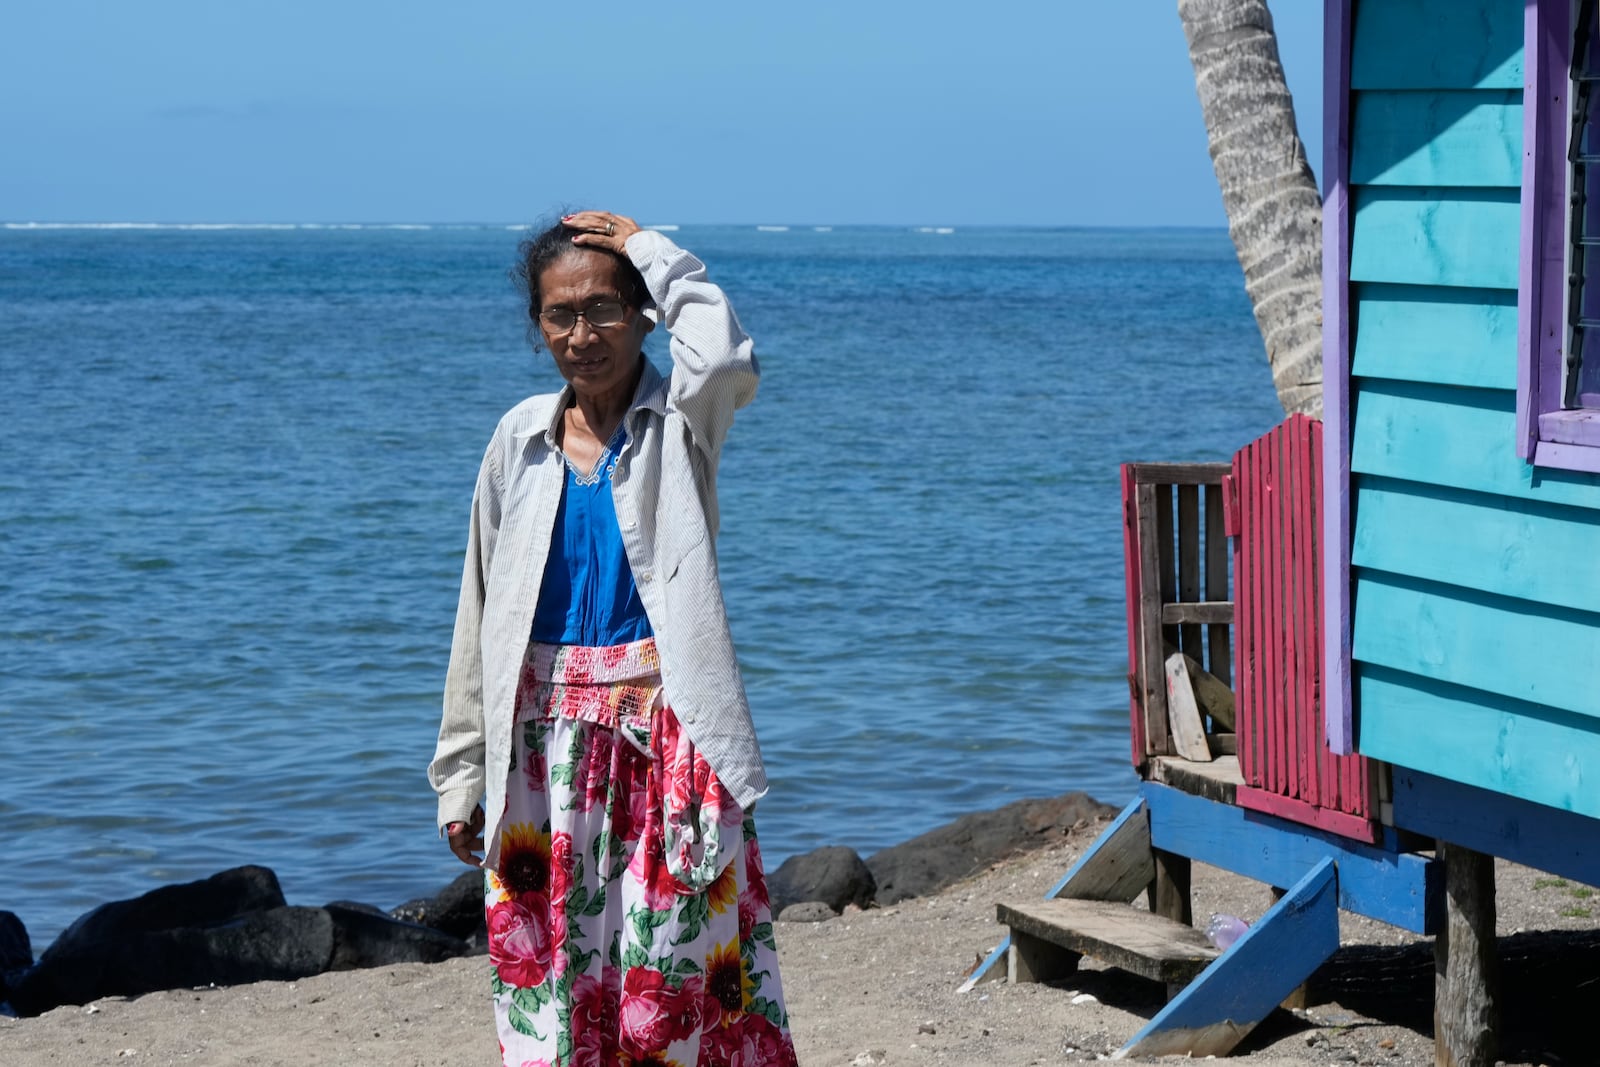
[748, 1041]
[560, 865]
[653, 1014]
[755, 875]
[536, 771]
[519, 943]
[594, 1018]
[649, 869]
[595, 770]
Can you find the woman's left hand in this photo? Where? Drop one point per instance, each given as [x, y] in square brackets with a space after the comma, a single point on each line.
[602, 229]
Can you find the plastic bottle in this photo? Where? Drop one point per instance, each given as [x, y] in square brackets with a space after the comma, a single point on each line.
[1223, 930]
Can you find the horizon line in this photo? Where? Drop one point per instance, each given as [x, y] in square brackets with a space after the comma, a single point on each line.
[940, 227]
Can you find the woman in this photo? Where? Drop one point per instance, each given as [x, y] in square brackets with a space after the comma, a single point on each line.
[627, 910]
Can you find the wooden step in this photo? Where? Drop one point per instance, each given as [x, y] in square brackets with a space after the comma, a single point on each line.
[1048, 936]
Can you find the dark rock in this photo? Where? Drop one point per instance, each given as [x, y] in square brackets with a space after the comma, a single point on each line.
[807, 911]
[834, 875]
[457, 909]
[279, 943]
[218, 899]
[356, 905]
[16, 951]
[944, 856]
[138, 945]
[363, 938]
[275, 945]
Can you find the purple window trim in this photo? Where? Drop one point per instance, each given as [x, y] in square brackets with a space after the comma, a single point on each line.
[1547, 436]
[1337, 708]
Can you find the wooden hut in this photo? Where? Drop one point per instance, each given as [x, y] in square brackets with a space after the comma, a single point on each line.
[1411, 632]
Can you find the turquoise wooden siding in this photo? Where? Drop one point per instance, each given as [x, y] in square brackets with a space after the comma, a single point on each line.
[1476, 627]
[1501, 545]
[1441, 436]
[1420, 333]
[1437, 138]
[1436, 236]
[1528, 750]
[1436, 44]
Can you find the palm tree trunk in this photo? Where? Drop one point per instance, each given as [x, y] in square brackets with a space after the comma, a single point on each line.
[1274, 212]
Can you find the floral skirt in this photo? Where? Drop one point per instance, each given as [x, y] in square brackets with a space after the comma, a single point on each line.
[628, 914]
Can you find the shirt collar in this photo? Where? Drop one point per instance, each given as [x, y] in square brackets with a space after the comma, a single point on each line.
[650, 394]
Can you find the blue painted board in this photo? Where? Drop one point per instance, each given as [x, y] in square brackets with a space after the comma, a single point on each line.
[1517, 548]
[1399, 888]
[1536, 836]
[1510, 747]
[1244, 984]
[1437, 138]
[1456, 237]
[1116, 867]
[1436, 44]
[1435, 334]
[1538, 653]
[1459, 437]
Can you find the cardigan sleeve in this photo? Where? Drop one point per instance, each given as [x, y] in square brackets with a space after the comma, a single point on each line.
[457, 769]
[714, 368]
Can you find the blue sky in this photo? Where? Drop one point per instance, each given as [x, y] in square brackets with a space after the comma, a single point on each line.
[876, 111]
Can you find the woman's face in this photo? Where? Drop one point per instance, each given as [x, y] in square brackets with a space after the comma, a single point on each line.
[596, 361]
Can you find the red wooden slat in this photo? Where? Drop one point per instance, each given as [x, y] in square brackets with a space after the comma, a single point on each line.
[1307, 761]
[1244, 730]
[1273, 564]
[1311, 744]
[1289, 620]
[1267, 548]
[1130, 570]
[1294, 640]
[1263, 614]
[1323, 789]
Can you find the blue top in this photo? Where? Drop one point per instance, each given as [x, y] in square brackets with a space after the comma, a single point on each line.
[588, 596]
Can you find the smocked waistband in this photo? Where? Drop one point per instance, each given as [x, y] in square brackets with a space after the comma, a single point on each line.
[595, 665]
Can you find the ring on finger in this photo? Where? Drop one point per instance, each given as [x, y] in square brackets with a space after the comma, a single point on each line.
[611, 228]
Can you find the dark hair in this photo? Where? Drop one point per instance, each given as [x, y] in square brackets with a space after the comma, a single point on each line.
[536, 254]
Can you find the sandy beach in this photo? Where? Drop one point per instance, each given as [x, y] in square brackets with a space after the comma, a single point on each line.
[871, 987]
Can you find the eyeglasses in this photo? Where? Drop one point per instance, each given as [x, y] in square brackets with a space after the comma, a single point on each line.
[598, 316]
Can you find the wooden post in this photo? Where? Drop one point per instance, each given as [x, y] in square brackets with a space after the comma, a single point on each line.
[1465, 974]
[1153, 678]
[1169, 892]
[1032, 959]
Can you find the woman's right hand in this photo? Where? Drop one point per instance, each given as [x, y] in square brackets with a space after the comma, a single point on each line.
[466, 838]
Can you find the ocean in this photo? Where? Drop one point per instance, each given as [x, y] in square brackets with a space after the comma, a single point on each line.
[237, 465]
